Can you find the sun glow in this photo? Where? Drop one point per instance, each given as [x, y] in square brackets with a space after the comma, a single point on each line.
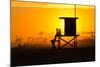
[61, 26]
[40, 20]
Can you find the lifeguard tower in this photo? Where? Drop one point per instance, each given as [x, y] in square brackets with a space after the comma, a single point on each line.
[69, 31]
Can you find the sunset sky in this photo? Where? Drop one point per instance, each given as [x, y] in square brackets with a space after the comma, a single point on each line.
[29, 18]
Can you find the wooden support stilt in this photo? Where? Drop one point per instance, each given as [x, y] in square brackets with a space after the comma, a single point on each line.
[74, 45]
[58, 42]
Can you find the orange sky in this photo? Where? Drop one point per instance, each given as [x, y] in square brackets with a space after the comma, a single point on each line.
[29, 18]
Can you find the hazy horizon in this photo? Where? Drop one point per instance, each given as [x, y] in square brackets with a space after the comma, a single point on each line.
[36, 23]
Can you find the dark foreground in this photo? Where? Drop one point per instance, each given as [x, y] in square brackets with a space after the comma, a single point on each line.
[30, 56]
